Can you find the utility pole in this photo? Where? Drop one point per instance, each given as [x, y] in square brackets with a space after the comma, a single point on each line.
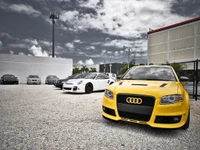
[53, 16]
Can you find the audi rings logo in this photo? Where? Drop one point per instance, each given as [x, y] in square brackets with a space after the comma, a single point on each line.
[134, 100]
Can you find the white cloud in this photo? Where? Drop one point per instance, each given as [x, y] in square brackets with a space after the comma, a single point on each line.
[128, 18]
[18, 45]
[87, 62]
[77, 41]
[90, 3]
[1, 44]
[103, 52]
[69, 16]
[37, 51]
[45, 43]
[119, 43]
[69, 45]
[21, 53]
[11, 52]
[96, 43]
[80, 62]
[26, 9]
[90, 47]
[6, 35]
[121, 52]
[30, 41]
[116, 53]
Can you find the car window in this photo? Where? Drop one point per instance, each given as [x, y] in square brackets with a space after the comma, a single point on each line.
[90, 76]
[150, 73]
[102, 76]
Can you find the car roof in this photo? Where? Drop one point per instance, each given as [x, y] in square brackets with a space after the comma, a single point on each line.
[8, 75]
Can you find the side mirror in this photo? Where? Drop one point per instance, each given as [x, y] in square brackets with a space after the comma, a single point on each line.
[183, 78]
[119, 77]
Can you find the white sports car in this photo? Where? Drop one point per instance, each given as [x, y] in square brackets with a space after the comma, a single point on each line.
[91, 82]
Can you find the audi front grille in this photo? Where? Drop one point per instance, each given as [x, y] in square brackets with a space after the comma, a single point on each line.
[130, 106]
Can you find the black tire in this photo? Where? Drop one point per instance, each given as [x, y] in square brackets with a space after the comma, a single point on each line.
[187, 124]
[88, 88]
[61, 87]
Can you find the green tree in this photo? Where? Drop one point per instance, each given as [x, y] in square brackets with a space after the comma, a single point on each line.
[125, 68]
[76, 70]
[178, 66]
[92, 69]
[84, 69]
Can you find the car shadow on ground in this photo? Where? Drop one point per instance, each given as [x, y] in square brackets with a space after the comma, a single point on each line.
[134, 127]
[82, 93]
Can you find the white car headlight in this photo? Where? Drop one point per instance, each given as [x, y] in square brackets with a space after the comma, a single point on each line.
[171, 99]
[80, 82]
[109, 94]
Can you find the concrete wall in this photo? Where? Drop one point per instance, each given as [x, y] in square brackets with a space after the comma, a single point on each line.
[22, 66]
[177, 44]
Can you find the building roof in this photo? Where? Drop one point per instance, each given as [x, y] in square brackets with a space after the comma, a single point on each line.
[174, 25]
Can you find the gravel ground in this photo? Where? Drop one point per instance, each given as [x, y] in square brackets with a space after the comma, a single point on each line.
[43, 117]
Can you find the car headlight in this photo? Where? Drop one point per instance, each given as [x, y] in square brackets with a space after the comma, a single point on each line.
[171, 99]
[109, 94]
[80, 82]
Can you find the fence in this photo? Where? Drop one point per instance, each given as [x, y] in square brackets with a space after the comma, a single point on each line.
[192, 71]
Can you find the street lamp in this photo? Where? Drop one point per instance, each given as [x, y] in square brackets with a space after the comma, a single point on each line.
[53, 16]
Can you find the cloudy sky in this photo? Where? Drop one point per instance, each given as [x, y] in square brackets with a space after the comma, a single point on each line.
[88, 31]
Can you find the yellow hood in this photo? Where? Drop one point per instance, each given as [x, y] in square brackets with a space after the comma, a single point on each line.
[154, 88]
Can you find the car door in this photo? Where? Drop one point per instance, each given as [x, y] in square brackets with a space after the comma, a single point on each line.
[103, 81]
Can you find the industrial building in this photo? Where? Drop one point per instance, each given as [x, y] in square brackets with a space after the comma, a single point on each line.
[111, 67]
[23, 66]
[179, 42]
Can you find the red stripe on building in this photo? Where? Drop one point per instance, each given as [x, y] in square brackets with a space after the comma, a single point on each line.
[174, 25]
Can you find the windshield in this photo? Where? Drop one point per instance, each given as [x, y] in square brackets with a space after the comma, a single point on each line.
[150, 73]
[33, 76]
[8, 76]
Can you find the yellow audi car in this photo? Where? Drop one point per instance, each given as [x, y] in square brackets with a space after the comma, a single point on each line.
[152, 95]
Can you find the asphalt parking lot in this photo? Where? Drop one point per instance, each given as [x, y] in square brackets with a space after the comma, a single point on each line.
[43, 117]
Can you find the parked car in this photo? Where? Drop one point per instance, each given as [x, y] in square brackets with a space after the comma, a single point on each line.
[59, 83]
[9, 79]
[33, 79]
[51, 79]
[152, 95]
[112, 76]
[91, 82]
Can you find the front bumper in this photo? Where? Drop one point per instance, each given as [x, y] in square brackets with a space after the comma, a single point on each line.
[73, 88]
[9, 82]
[161, 116]
[33, 82]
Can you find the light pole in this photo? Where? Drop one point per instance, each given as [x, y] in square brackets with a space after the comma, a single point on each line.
[110, 65]
[128, 54]
[53, 16]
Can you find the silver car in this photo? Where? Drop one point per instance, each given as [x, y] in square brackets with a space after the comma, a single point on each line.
[33, 79]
